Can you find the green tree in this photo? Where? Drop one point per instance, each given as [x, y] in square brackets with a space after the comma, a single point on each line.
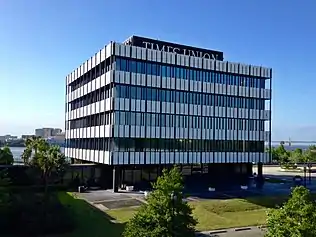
[49, 160]
[32, 145]
[165, 214]
[274, 154]
[282, 153]
[310, 154]
[297, 217]
[297, 156]
[6, 157]
[5, 201]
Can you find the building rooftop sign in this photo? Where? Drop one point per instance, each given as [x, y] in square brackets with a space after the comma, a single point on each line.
[174, 48]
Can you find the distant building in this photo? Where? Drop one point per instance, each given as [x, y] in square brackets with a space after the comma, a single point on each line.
[47, 132]
[58, 139]
[7, 137]
[57, 131]
[24, 137]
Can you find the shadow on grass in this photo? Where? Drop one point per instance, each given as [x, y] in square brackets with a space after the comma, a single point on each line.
[274, 193]
[89, 220]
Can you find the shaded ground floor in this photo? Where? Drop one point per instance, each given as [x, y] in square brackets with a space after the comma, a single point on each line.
[196, 177]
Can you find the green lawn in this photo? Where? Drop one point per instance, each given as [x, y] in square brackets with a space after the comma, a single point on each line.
[91, 222]
[211, 214]
[217, 214]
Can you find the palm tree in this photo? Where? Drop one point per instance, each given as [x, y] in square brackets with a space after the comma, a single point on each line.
[49, 160]
[6, 156]
[33, 146]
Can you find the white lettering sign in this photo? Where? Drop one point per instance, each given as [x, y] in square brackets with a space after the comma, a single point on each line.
[171, 49]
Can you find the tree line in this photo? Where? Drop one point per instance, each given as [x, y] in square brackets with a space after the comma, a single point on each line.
[283, 156]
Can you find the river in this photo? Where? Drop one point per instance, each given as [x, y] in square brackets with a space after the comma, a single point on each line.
[18, 151]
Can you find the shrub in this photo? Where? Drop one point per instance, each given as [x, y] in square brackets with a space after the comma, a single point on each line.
[296, 218]
[288, 166]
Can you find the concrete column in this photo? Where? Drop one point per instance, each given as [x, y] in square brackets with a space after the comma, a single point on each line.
[249, 169]
[260, 165]
[260, 179]
[115, 179]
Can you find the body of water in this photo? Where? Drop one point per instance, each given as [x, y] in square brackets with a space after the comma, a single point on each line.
[294, 146]
[17, 151]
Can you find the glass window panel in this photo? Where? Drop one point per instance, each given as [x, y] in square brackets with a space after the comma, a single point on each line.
[138, 119]
[133, 92]
[164, 71]
[122, 118]
[134, 66]
[149, 68]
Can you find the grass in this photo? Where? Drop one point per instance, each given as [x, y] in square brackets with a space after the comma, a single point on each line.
[122, 215]
[211, 214]
[90, 221]
[218, 214]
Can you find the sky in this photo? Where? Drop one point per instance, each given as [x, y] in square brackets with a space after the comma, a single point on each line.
[43, 41]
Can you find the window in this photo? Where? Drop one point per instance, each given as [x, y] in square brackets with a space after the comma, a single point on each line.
[122, 118]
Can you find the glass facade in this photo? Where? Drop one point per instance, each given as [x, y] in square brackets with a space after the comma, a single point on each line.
[186, 97]
[165, 70]
[163, 145]
[127, 123]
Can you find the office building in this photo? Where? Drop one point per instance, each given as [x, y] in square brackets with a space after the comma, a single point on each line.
[143, 105]
[8, 137]
[24, 137]
[47, 132]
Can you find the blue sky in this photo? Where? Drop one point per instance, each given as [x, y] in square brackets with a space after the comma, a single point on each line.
[42, 41]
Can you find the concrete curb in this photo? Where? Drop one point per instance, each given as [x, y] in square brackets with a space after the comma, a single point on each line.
[230, 230]
[243, 228]
[218, 232]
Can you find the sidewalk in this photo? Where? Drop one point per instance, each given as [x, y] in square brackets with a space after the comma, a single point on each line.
[254, 231]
